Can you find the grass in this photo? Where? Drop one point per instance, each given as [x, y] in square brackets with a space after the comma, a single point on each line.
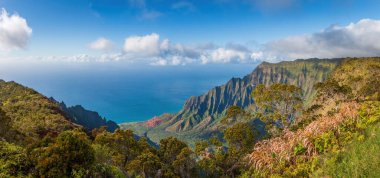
[361, 158]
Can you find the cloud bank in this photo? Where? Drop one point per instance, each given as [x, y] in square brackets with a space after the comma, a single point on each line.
[360, 39]
[14, 32]
[162, 52]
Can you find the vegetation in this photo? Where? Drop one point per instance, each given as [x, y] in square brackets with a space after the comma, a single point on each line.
[340, 116]
[31, 114]
[358, 159]
[13, 160]
[335, 135]
[278, 105]
[69, 154]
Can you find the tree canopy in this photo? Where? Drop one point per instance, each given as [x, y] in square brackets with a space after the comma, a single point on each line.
[278, 104]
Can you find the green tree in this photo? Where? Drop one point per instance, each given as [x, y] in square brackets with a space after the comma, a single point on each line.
[174, 152]
[103, 165]
[70, 154]
[185, 163]
[216, 160]
[6, 131]
[124, 147]
[240, 136]
[331, 89]
[145, 165]
[13, 161]
[170, 148]
[234, 114]
[125, 152]
[278, 103]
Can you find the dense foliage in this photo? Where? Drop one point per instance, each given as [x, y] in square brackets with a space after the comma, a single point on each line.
[345, 107]
[278, 105]
[31, 114]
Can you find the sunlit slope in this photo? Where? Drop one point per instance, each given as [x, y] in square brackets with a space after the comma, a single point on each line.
[30, 113]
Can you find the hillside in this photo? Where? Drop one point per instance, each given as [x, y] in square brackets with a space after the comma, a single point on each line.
[334, 134]
[89, 119]
[31, 114]
[358, 159]
[236, 92]
[201, 114]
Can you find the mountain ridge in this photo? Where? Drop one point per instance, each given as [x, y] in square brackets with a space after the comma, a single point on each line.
[29, 115]
[89, 119]
[201, 113]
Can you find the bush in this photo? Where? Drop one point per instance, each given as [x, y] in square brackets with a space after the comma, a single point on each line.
[67, 155]
[299, 150]
[359, 159]
[13, 161]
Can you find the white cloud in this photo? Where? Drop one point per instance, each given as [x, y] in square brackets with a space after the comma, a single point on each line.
[112, 57]
[359, 39]
[223, 55]
[79, 58]
[172, 61]
[101, 44]
[257, 55]
[159, 62]
[74, 58]
[165, 44]
[14, 31]
[143, 46]
[162, 52]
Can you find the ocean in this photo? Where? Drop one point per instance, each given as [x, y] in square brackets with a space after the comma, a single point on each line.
[124, 93]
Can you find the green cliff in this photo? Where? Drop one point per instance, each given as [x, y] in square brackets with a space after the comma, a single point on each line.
[200, 115]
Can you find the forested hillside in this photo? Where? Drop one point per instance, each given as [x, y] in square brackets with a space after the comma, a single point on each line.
[31, 114]
[344, 115]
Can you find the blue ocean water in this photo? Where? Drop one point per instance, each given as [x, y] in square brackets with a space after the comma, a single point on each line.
[125, 94]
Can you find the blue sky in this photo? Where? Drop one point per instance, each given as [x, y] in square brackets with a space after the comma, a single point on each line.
[150, 52]
[184, 32]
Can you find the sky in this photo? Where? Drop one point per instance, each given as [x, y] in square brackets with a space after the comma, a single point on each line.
[184, 33]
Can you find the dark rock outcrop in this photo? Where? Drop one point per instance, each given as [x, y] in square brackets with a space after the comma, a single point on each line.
[88, 119]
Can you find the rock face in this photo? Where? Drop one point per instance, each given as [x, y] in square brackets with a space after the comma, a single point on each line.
[88, 119]
[153, 122]
[302, 73]
[156, 120]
